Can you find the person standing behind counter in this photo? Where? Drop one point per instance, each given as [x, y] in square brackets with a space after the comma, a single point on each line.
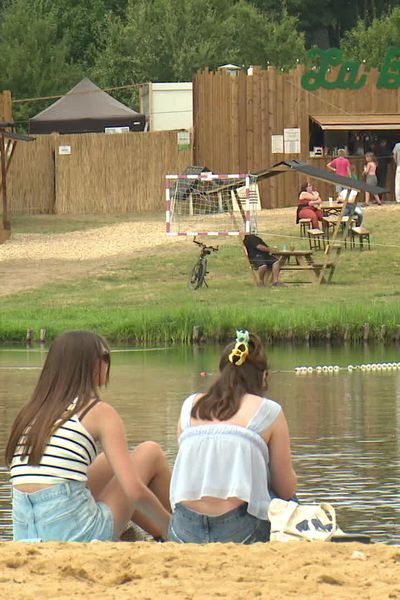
[234, 449]
[341, 166]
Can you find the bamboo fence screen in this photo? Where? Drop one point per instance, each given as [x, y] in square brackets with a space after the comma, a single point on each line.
[103, 173]
[235, 117]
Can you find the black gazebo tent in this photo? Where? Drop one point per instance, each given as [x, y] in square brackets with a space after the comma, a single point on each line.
[86, 108]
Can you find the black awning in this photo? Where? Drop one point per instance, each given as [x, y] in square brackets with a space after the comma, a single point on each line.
[315, 173]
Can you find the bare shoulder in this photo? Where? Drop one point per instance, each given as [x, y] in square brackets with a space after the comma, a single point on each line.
[252, 401]
[101, 415]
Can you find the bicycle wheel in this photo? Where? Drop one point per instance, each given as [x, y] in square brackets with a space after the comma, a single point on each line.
[197, 275]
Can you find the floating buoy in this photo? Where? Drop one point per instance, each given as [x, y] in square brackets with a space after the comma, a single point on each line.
[350, 368]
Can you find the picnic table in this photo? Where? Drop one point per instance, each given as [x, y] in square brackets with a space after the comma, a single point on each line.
[331, 208]
[303, 260]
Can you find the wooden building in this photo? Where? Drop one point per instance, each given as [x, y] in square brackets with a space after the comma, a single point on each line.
[250, 121]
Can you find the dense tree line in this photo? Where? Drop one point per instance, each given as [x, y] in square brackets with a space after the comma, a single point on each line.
[46, 46]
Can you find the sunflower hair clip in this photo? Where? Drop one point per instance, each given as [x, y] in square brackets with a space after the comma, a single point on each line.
[240, 352]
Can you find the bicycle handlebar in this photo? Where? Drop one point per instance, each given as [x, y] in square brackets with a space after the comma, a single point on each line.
[213, 248]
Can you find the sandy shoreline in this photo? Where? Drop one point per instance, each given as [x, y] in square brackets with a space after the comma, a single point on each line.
[148, 570]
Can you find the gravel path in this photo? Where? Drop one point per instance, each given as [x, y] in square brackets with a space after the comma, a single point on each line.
[91, 244]
[28, 261]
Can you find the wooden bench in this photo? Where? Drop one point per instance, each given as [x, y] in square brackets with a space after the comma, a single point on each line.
[316, 239]
[305, 225]
[316, 267]
[362, 234]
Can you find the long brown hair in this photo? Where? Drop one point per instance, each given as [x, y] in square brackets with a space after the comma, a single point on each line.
[71, 371]
[223, 398]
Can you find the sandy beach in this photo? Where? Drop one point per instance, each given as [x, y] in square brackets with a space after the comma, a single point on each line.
[148, 570]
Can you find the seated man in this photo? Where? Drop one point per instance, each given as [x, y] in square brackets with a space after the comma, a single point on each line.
[261, 257]
[351, 200]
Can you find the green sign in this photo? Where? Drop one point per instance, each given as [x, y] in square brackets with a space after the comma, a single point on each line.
[320, 63]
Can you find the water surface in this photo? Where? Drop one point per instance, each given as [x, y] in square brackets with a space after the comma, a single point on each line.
[345, 426]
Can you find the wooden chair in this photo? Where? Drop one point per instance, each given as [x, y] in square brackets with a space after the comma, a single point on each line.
[362, 234]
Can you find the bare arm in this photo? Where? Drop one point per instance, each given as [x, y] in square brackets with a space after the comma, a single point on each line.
[329, 166]
[312, 198]
[283, 476]
[110, 431]
[264, 248]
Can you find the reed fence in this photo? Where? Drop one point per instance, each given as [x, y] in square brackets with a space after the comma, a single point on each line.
[102, 174]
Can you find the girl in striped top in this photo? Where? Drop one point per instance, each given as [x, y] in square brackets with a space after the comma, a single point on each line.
[62, 488]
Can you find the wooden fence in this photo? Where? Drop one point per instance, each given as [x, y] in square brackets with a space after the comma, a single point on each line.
[103, 173]
[235, 117]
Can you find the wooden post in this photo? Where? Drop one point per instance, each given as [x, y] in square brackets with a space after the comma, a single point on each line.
[6, 224]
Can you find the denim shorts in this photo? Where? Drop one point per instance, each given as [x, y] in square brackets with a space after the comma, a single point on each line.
[63, 512]
[188, 526]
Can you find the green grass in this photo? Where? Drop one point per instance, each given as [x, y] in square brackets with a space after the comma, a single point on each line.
[146, 299]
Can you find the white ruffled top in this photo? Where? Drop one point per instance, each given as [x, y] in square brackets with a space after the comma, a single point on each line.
[224, 460]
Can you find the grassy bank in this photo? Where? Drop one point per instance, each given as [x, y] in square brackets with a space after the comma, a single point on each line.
[145, 298]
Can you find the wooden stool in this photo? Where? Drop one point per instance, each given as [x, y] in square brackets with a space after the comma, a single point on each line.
[363, 234]
[305, 224]
[316, 239]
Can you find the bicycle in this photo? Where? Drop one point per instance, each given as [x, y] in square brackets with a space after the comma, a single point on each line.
[198, 274]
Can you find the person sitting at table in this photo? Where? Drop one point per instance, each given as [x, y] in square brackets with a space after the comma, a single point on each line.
[308, 207]
[261, 257]
[351, 201]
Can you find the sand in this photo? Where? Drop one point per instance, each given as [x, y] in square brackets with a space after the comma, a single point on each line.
[148, 570]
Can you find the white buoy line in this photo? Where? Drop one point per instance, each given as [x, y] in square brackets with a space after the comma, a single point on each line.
[335, 368]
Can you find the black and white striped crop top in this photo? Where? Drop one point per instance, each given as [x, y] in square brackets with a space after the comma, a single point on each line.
[67, 456]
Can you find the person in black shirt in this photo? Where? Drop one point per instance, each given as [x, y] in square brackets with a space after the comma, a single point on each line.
[384, 157]
[261, 257]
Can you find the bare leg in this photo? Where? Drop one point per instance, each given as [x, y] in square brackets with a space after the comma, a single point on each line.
[377, 199]
[366, 197]
[275, 272]
[151, 465]
[262, 271]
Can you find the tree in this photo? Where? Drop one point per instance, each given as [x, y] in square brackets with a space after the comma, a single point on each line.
[370, 44]
[169, 40]
[324, 23]
[33, 55]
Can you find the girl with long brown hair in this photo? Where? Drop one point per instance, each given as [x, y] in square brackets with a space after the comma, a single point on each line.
[62, 489]
[234, 448]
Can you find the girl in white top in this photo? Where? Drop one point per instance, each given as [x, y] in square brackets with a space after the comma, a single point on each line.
[61, 489]
[234, 451]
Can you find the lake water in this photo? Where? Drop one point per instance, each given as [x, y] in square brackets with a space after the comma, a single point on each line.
[345, 425]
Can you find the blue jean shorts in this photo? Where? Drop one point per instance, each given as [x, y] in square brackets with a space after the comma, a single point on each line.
[63, 512]
[188, 526]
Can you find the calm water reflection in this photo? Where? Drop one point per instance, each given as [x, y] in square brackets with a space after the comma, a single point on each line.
[345, 427]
